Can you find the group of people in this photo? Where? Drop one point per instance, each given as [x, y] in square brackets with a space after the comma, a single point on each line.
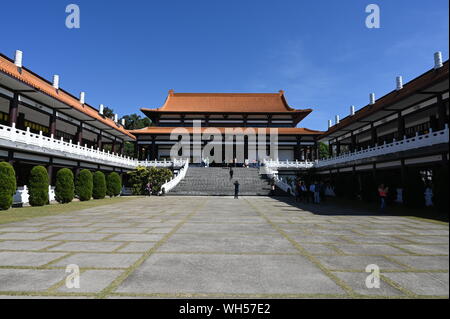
[315, 192]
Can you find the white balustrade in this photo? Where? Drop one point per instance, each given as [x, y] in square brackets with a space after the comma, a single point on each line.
[12, 134]
[431, 138]
[168, 186]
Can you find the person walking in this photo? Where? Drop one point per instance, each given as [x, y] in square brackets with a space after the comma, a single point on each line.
[298, 198]
[311, 191]
[149, 188]
[236, 190]
[316, 193]
[383, 193]
[304, 193]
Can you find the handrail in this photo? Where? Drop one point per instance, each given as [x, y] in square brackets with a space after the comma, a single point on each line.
[431, 138]
[168, 186]
[13, 134]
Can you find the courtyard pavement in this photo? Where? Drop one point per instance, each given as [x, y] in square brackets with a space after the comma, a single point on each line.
[214, 247]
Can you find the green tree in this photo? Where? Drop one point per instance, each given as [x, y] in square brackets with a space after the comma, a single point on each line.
[138, 179]
[158, 177]
[84, 185]
[38, 186]
[323, 150]
[99, 185]
[108, 112]
[113, 184]
[7, 185]
[65, 187]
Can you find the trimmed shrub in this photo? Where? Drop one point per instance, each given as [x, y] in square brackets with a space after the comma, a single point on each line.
[84, 185]
[113, 184]
[99, 181]
[7, 185]
[38, 186]
[65, 188]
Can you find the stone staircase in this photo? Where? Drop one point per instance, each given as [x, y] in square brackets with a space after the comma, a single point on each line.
[215, 181]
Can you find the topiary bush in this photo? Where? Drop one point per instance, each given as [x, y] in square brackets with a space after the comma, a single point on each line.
[99, 182]
[65, 188]
[38, 186]
[113, 184]
[84, 185]
[7, 185]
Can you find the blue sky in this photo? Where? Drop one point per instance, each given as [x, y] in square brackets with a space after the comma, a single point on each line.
[128, 54]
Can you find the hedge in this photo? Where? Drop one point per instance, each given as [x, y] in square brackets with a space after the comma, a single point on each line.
[84, 185]
[113, 184]
[99, 190]
[7, 186]
[38, 186]
[65, 188]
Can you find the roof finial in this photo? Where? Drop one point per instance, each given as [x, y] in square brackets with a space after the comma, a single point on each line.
[171, 91]
[281, 92]
[18, 58]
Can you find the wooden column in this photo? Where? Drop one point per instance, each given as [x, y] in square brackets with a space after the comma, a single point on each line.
[400, 126]
[52, 124]
[79, 135]
[373, 131]
[442, 114]
[50, 171]
[14, 109]
[113, 145]
[353, 142]
[297, 152]
[153, 153]
[99, 140]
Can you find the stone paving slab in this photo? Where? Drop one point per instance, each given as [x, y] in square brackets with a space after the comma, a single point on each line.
[32, 259]
[429, 284]
[93, 260]
[19, 280]
[220, 247]
[356, 280]
[228, 274]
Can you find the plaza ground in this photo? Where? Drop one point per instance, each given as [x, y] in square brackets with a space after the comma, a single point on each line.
[169, 247]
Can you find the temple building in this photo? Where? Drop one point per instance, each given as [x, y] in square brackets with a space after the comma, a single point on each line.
[400, 139]
[42, 124]
[260, 111]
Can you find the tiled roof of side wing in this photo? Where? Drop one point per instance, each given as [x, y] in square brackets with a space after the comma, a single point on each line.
[28, 77]
[421, 82]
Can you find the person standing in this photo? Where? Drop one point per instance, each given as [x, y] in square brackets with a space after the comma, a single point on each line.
[383, 193]
[236, 190]
[311, 191]
[316, 193]
[298, 198]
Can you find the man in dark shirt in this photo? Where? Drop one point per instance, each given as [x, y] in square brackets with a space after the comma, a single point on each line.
[236, 189]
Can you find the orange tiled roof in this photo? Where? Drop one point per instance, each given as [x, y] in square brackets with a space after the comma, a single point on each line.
[281, 130]
[416, 85]
[40, 84]
[226, 103]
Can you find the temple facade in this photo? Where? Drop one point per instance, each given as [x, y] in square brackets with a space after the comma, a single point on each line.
[266, 114]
